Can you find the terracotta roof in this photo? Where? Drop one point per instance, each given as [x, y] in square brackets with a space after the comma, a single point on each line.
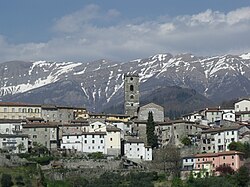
[11, 120]
[217, 154]
[41, 125]
[18, 104]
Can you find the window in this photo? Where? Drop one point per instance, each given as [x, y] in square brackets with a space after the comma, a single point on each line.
[101, 141]
[85, 141]
[232, 163]
[67, 137]
[45, 129]
[85, 136]
[34, 136]
[232, 139]
[224, 157]
[93, 141]
[186, 160]
[34, 129]
[111, 139]
[99, 126]
[198, 165]
[232, 157]
[232, 132]
[13, 109]
[19, 110]
[138, 149]
[92, 126]
[131, 88]
[5, 109]
[219, 141]
[131, 78]
[131, 97]
[204, 148]
[93, 136]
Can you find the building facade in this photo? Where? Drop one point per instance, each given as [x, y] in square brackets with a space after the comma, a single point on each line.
[131, 94]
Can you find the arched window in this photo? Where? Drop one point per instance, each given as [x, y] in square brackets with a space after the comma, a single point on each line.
[131, 97]
[132, 88]
[24, 110]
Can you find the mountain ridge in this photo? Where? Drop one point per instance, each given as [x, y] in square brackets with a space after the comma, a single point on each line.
[99, 84]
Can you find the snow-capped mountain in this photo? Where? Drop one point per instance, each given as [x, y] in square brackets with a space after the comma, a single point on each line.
[99, 84]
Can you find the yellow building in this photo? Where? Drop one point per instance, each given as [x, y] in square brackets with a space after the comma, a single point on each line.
[9, 110]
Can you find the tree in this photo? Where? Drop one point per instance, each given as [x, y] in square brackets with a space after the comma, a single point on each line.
[168, 159]
[150, 131]
[225, 170]
[238, 146]
[242, 176]
[6, 180]
[21, 147]
[186, 141]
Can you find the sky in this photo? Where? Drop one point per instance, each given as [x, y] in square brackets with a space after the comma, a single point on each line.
[118, 30]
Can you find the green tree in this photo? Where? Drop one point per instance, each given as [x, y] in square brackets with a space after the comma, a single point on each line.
[150, 131]
[6, 180]
[242, 176]
[186, 141]
[238, 146]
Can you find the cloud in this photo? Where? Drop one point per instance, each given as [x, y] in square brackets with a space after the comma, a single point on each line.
[91, 34]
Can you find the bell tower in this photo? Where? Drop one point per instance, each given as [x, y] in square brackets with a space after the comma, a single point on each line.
[131, 94]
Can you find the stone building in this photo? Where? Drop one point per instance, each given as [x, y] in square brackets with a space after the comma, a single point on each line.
[131, 94]
[157, 110]
[45, 133]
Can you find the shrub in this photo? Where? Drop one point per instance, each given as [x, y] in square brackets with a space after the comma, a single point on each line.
[6, 180]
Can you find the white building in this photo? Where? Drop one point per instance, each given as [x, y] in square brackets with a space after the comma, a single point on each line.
[99, 138]
[213, 114]
[10, 126]
[242, 105]
[228, 115]
[217, 139]
[14, 143]
[193, 117]
[188, 163]
[72, 142]
[94, 142]
[135, 149]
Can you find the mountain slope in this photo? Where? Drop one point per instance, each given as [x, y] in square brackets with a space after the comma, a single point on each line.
[99, 85]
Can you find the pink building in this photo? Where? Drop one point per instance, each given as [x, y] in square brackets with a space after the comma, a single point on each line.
[232, 158]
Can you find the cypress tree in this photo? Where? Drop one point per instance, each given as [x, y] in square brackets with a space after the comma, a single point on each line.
[151, 137]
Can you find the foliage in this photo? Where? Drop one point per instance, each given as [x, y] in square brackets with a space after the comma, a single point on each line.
[44, 160]
[21, 147]
[242, 176]
[6, 180]
[210, 182]
[19, 180]
[186, 141]
[39, 149]
[150, 131]
[225, 170]
[177, 182]
[96, 155]
[238, 146]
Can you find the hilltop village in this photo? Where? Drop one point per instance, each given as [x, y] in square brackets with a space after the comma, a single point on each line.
[203, 137]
